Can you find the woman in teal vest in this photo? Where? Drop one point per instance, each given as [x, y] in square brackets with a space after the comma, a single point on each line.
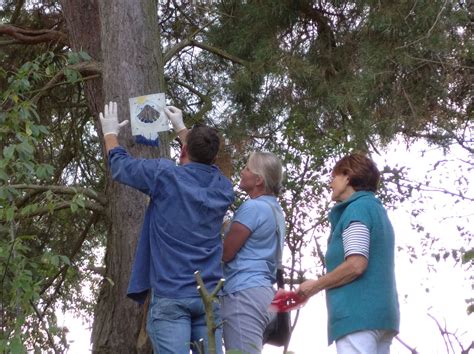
[361, 294]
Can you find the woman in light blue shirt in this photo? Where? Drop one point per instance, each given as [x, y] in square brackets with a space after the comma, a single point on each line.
[250, 255]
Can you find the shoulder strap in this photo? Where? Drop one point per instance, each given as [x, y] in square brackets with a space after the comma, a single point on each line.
[279, 275]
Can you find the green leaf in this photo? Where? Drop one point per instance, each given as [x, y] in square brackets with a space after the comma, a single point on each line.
[28, 130]
[38, 130]
[73, 58]
[28, 209]
[44, 171]
[16, 346]
[84, 56]
[25, 148]
[74, 207]
[9, 214]
[49, 195]
[54, 260]
[72, 76]
[468, 256]
[3, 175]
[24, 84]
[65, 260]
[80, 201]
[9, 151]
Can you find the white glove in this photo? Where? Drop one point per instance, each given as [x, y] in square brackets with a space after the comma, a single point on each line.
[109, 120]
[176, 118]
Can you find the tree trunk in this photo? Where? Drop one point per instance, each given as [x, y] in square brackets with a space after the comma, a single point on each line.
[132, 66]
[83, 25]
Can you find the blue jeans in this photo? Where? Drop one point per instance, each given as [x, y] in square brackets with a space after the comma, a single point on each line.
[174, 325]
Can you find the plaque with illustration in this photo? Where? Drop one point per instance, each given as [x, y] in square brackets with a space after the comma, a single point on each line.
[147, 117]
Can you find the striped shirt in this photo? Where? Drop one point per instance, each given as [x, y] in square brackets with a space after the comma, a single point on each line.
[356, 239]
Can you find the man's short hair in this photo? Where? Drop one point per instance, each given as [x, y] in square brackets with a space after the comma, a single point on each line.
[203, 144]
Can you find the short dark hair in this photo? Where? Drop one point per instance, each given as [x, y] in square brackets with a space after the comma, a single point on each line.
[203, 144]
[362, 171]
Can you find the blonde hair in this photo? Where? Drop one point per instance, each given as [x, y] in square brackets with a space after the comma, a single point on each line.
[268, 166]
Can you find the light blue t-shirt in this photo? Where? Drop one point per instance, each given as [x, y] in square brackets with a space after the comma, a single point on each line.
[256, 262]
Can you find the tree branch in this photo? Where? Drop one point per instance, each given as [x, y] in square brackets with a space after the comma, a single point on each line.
[429, 31]
[207, 300]
[412, 350]
[207, 102]
[176, 49]
[63, 190]
[436, 137]
[219, 52]
[60, 206]
[45, 327]
[447, 338]
[16, 14]
[192, 42]
[443, 333]
[325, 32]
[75, 250]
[439, 62]
[89, 67]
[29, 36]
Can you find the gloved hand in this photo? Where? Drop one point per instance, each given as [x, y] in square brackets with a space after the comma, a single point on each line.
[176, 118]
[109, 120]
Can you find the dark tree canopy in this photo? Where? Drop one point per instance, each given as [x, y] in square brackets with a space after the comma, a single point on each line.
[308, 80]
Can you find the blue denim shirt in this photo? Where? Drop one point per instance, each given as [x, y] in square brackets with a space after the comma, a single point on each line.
[181, 228]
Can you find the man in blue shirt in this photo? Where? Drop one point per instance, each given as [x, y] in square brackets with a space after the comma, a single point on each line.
[180, 233]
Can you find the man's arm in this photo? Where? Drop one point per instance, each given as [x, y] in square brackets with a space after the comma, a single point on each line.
[111, 142]
[182, 134]
[176, 118]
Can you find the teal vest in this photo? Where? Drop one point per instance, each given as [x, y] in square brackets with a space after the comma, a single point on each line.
[370, 301]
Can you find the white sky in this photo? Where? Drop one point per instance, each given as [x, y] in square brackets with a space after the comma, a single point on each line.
[449, 285]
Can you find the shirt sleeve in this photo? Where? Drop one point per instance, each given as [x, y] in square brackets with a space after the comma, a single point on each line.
[356, 239]
[248, 215]
[136, 173]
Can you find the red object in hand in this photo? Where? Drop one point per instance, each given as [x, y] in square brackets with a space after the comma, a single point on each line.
[285, 301]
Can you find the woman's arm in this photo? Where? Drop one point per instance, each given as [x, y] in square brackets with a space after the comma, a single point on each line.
[234, 240]
[349, 270]
[356, 243]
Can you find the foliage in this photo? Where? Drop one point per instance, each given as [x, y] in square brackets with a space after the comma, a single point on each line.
[314, 81]
[36, 269]
[309, 81]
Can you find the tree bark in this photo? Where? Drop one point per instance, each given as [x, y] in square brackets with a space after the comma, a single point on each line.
[132, 67]
[83, 26]
[125, 35]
